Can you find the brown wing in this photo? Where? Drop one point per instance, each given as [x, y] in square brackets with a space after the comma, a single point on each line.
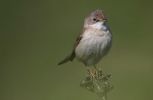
[72, 55]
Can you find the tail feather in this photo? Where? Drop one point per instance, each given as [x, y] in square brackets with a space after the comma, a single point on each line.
[68, 58]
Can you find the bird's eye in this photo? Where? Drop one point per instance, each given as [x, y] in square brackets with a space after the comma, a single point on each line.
[95, 19]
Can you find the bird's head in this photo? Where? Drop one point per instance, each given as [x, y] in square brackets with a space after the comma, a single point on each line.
[95, 17]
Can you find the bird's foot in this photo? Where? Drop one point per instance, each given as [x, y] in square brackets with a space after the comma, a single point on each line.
[93, 73]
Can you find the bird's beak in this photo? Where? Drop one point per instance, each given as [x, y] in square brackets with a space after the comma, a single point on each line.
[104, 19]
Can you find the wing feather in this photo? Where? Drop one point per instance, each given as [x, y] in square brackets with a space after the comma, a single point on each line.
[72, 55]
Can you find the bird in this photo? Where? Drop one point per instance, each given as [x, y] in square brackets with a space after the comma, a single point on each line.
[93, 43]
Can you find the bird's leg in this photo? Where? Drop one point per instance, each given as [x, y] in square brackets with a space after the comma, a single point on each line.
[93, 72]
[95, 69]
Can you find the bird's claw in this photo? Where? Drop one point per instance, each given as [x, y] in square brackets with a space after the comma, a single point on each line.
[93, 73]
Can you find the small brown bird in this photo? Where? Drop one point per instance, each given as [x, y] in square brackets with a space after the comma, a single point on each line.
[93, 43]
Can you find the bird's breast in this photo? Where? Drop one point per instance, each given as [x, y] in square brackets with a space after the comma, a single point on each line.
[93, 45]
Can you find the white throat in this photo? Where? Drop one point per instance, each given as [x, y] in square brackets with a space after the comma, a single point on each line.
[97, 25]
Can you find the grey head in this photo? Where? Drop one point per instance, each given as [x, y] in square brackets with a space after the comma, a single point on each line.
[94, 17]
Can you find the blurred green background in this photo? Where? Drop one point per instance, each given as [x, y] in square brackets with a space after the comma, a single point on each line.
[36, 34]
